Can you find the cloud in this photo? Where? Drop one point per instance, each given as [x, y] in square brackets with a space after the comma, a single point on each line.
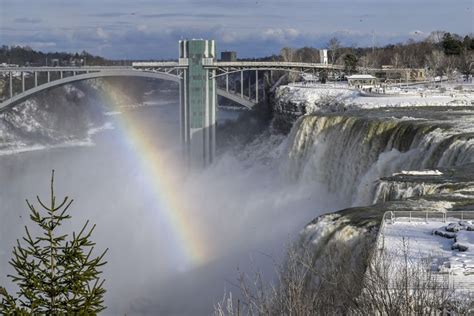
[109, 14]
[101, 33]
[418, 33]
[187, 15]
[145, 41]
[142, 27]
[279, 35]
[27, 20]
[43, 44]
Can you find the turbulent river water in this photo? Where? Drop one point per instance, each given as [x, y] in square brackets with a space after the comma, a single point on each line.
[248, 205]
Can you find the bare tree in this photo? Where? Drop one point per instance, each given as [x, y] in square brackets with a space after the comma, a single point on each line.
[466, 62]
[338, 280]
[450, 65]
[396, 60]
[333, 46]
[435, 37]
[307, 54]
[435, 62]
[287, 53]
[364, 63]
[307, 282]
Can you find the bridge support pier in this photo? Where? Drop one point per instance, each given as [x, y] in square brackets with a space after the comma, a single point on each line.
[198, 102]
[250, 90]
[227, 81]
[242, 84]
[22, 81]
[11, 84]
[256, 86]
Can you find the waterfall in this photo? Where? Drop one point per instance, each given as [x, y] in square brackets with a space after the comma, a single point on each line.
[392, 191]
[360, 155]
[350, 152]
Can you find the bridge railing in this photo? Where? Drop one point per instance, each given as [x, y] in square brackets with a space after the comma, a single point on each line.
[161, 64]
[61, 68]
[273, 64]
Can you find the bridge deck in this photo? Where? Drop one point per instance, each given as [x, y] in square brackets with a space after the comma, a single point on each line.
[241, 65]
[55, 69]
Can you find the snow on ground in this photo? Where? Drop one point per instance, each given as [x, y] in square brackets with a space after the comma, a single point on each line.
[421, 244]
[313, 94]
[413, 100]
[420, 173]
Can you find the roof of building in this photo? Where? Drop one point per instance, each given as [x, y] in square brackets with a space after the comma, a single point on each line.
[361, 77]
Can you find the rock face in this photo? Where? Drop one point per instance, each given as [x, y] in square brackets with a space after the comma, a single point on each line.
[70, 112]
[301, 99]
[56, 116]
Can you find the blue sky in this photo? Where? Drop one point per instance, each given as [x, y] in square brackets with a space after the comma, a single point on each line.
[146, 29]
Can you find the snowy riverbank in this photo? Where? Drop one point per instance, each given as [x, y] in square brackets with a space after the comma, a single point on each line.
[300, 98]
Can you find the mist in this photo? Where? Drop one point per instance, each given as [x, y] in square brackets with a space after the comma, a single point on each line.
[243, 205]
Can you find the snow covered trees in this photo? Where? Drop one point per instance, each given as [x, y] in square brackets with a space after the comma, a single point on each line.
[55, 274]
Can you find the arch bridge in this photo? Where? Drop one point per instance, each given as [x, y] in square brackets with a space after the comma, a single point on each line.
[197, 72]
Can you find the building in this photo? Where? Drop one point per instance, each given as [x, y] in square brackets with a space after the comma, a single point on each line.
[391, 74]
[362, 81]
[75, 62]
[323, 56]
[229, 56]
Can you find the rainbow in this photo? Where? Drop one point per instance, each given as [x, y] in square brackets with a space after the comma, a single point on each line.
[192, 246]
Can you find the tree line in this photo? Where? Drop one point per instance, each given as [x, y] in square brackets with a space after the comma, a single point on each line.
[441, 53]
[26, 56]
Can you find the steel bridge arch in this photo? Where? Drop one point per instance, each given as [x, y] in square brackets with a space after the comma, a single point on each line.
[15, 100]
[233, 71]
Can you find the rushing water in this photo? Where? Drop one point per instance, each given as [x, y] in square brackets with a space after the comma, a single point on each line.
[348, 152]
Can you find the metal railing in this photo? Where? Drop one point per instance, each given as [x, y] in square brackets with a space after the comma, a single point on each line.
[419, 216]
[427, 216]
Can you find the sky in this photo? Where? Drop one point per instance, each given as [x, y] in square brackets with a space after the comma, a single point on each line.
[150, 29]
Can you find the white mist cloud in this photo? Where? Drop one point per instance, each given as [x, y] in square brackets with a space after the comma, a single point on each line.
[243, 205]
